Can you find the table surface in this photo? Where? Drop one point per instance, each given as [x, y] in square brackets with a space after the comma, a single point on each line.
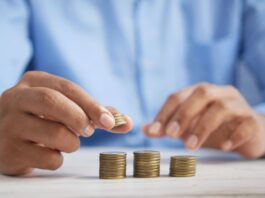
[218, 174]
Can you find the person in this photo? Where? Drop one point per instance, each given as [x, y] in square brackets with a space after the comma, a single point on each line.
[190, 72]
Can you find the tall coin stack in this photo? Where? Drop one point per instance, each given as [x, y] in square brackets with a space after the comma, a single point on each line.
[119, 119]
[112, 165]
[146, 164]
[182, 166]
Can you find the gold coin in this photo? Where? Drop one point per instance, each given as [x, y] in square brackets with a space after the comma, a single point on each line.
[146, 163]
[182, 166]
[112, 165]
[120, 119]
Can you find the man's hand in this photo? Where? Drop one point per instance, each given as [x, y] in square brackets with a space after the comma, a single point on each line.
[42, 116]
[211, 116]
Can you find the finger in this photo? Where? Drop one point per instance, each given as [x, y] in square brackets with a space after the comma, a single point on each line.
[145, 130]
[219, 136]
[155, 129]
[96, 112]
[123, 128]
[49, 103]
[50, 134]
[189, 109]
[188, 133]
[36, 156]
[242, 133]
[217, 113]
[202, 96]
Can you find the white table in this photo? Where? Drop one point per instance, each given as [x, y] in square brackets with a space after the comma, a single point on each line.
[218, 174]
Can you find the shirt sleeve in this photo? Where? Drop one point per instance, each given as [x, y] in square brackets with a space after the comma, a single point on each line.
[254, 44]
[15, 46]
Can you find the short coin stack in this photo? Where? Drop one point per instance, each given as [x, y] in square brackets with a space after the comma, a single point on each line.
[119, 119]
[182, 166]
[112, 165]
[146, 164]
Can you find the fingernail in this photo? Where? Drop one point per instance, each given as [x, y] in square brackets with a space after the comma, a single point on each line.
[106, 120]
[192, 141]
[87, 131]
[154, 128]
[227, 146]
[172, 129]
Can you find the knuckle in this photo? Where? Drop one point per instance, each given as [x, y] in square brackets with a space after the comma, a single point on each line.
[80, 120]
[173, 98]
[204, 85]
[232, 89]
[220, 105]
[46, 97]
[54, 161]
[203, 90]
[29, 75]
[67, 87]
[7, 96]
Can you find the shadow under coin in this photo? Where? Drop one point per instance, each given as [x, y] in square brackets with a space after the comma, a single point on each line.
[88, 177]
[37, 176]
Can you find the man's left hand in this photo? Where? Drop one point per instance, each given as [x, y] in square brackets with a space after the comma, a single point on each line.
[211, 116]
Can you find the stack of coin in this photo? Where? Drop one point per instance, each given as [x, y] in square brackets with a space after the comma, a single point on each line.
[119, 119]
[112, 165]
[182, 166]
[146, 164]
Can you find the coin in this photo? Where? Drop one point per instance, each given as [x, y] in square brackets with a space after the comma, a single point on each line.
[146, 163]
[112, 165]
[120, 119]
[182, 166]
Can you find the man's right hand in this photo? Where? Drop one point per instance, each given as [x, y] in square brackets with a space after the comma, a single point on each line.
[44, 115]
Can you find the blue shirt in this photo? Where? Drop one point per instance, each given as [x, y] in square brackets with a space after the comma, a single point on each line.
[132, 54]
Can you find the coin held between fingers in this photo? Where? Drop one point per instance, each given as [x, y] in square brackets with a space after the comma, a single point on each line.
[120, 119]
